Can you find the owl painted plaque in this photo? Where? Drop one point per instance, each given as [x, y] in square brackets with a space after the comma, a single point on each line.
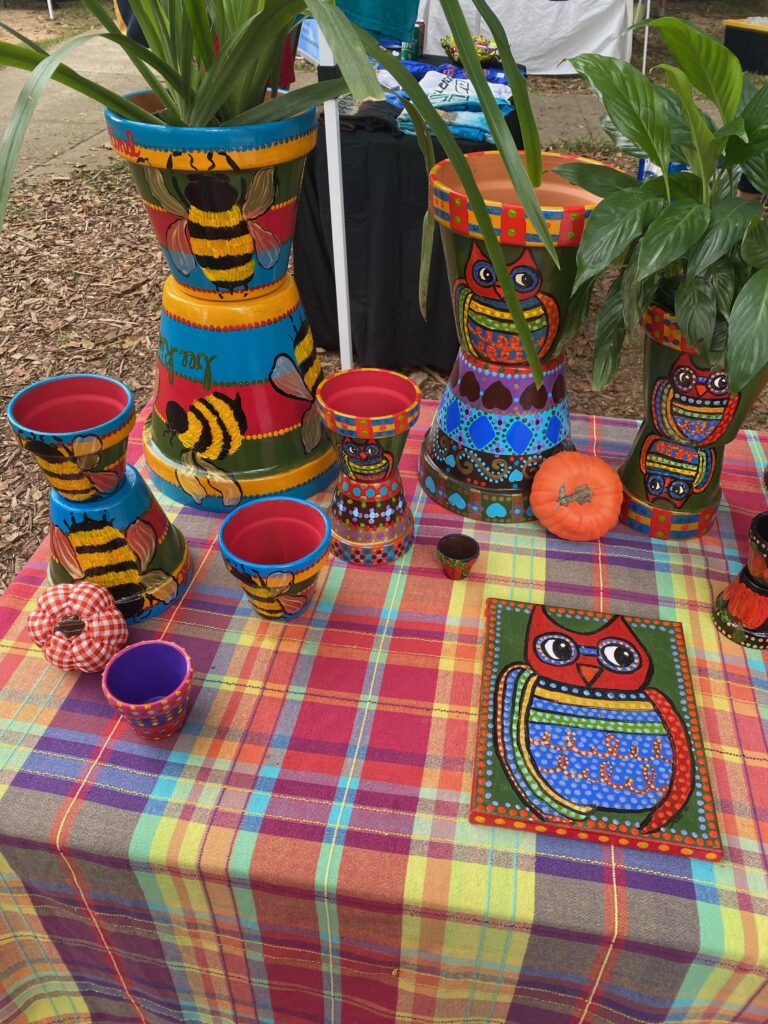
[589, 729]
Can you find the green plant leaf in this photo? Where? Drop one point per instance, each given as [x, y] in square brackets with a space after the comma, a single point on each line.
[609, 337]
[23, 39]
[23, 110]
[720, 277]
[695, 309]
[595, 178]
[677, 228]
[197, 16]
[633, 104]
[288, 104]
[682, 185]
[424, 140]
[612, 226]
[620, 141]
[716, 352]
[637, 292]
[520, 96]
[754, 246]
[576, 314]
[748, 331]
[756, 169]
[705, 147]
[355, 67]
[712, 68]
[728, 220]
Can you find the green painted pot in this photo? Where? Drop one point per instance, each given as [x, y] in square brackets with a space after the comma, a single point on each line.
[671, 477]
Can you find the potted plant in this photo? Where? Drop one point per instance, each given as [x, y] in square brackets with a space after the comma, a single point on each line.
[217, 154]
[692, 262]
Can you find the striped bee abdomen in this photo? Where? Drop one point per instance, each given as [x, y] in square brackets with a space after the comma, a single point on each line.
[307, 358]
[212, 427]
[105, 558]
[222, 245]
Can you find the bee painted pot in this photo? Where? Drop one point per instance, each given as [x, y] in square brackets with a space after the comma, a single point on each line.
[149, 683]
[234, 412]
[275, 549]
[494, 426]
[369, 413]
[77, 428]
[122, 541]
[671, 477]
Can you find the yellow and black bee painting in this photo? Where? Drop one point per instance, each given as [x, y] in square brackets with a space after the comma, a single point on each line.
[299, 380]
[210, 429]
[269, 594]
[216, 226]
[97, 551]
[70, 467]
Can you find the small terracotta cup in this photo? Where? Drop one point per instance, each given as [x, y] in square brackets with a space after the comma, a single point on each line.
[457, 554]
[77, 428]
[275, 549]
[149, 683]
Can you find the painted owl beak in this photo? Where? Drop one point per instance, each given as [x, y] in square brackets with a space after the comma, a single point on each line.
[589, 672]
[700, 389]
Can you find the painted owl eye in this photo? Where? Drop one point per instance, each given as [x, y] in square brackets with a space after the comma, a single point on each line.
[618, 655]
[655, 484]
[484, 274]
[524, 280]
[718, 383]
[679, 489]
[556, 649]
[351, 449]
[372, 448]
[684, 378]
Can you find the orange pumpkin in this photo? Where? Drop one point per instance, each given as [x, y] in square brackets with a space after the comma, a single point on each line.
[576, 496]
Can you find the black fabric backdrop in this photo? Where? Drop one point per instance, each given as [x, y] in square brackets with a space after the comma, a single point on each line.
[385, 197]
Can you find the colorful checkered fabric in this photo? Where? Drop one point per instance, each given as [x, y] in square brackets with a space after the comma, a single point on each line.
[78, 626]
[301, 851]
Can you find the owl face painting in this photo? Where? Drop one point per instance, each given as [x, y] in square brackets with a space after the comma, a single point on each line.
[693, 404]
[674, 471]
[364, 460]
[484, 322]
[578, 728]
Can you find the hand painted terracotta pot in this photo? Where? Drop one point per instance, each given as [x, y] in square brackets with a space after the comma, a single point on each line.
[234, 413]
[457, 553]
[369, 413]
[77, 428]
[275, 549]
[740, 612]
[124, 542]
[494, 426]
[671, 477]
[148, 683]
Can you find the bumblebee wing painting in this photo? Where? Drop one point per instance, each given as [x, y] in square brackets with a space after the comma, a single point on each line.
[179, 249]
[187, 477]
[64, 553]
[311, 429]
[221, 483]
[286, 378]
[258, 199]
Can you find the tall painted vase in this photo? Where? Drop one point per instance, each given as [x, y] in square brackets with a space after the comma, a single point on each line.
[106, 526]
[494, 426]
[234, 413]
[369, 413]
[671, 477]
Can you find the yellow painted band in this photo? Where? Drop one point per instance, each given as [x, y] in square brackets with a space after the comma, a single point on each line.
[574, 701]
[266, 156]
[234, 315]
[240, 246]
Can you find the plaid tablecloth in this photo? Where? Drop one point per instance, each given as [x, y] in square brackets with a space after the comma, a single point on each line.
[301, 852]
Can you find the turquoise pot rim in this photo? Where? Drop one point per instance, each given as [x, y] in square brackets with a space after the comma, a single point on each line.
[307, 561]
[213, 139]
[67, 436]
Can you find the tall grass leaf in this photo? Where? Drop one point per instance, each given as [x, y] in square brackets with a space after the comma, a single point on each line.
[340, 36]
[23, 39]
[288, 104]
[424, 140]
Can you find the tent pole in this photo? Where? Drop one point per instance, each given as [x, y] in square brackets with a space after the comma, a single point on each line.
[336, 195]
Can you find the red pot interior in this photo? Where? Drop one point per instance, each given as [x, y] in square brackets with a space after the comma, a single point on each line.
[64, 405]
[274, 532]
[369, 393]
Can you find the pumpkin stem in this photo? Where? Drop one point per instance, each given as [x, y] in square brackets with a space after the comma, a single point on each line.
[582, 494]
[71, 626]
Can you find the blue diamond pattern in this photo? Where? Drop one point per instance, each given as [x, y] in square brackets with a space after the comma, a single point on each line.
[481, 431]
[519, 437]
[554, 429]
[452, 417]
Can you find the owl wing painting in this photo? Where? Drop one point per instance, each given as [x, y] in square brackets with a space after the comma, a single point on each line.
[591, 731]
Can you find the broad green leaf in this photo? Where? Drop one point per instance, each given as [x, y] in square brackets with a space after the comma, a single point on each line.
[695, 309]
[620, 140]
[734, 129]
[519, 87]
[612, 226]
[717, 350]
[756, 169]
[23, 110]
[728, 220]
[576, 314]
[595, 178]
[755, 116]
[459, 162]
[637, 292]
[748, 331]
[721, 278]
[340, 34]
[677, 228]
[498, 126]
[712, 68]
[609, 337]
[632, 103]
[754, 246]
[682, 185]
[705, 147]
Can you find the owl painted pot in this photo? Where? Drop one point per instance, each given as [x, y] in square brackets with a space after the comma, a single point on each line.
[275, 549]
[77, 428]
[671, 477]
[495, 425]
[369, 414]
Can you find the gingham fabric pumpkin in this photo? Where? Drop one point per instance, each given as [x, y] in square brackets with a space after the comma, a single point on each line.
[77, 626]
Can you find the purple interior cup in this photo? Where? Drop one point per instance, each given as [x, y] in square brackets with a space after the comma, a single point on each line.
[146, 672]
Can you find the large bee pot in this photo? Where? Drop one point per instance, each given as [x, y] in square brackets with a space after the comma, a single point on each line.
[494, 426]
[234, 413]
[671, 476]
